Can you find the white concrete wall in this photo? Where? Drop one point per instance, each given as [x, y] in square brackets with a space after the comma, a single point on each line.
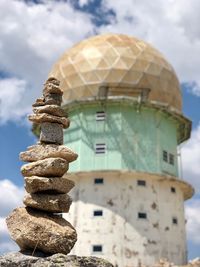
[127, 240]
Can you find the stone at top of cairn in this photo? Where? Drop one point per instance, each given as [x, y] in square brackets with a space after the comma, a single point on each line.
[37, 226]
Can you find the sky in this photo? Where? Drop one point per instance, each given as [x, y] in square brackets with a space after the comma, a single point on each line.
[35, 33]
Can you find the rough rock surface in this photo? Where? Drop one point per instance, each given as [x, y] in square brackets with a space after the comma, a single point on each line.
[37, 226]
[46, 167]
[21, 260]
[35, 184]
[43, 117]
[52, 88]
[32, 229]
[51, 203]
[50, 109]
[51, 133]
[53, 99]
[38, 152]
[39, 102]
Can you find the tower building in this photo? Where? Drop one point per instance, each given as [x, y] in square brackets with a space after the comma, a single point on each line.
[125, 105]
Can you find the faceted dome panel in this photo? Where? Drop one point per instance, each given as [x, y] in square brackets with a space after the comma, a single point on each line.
[123, 63]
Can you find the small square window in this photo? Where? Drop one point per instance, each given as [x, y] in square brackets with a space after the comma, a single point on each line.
[100, 116]
[165, 156]
[173, 189]
[97, 248]
[98, 213]
[142, 215]
[100, 148]
[174, 220]
[141, 182]
[98, 181]
[171, 159]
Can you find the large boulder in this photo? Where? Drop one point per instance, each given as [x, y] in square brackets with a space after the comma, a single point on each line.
[48, 202]
[50, 109]
[35, 230]
[51, 133]
[38, 152]
[39, 260]
[44, 117]
[35, 184]
[45, 168]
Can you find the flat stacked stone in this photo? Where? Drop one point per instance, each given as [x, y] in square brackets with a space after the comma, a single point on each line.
[37, 225]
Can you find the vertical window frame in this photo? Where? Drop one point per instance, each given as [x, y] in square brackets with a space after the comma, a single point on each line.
[100, 148]
[171, 159]
[100, 116]
[165, 156]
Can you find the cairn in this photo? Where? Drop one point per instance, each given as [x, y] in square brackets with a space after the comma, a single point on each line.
[39, 225]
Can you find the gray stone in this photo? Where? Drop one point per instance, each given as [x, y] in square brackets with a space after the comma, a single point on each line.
[45, 168]
[43, 117]
[50, 109]
[19, 259]
[51, 133]
[33, 229]
[42, 151]
[37, 184]
[49, 202]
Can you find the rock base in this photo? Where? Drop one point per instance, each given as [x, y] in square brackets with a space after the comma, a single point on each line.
[19, 259]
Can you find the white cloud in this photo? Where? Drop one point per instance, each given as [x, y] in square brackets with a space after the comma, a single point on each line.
[32, 37]
[191, 159]
[10, 197]
[6, 243]
[12, 104]
[83, 2]
[193, 220]
[171, 26]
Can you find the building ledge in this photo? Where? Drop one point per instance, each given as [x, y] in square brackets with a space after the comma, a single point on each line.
[187, 189]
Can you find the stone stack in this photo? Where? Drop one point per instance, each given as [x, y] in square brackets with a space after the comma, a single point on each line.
[39, 225]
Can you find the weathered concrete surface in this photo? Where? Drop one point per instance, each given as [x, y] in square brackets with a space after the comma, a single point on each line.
[49, 167]
[51, 203]
[39, 260]
[36, 184]
[32, 229]
[38, 152]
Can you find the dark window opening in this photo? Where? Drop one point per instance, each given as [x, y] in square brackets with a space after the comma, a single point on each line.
[174, 220]
[97, 248]
[142, 215]
[100, 116]
[141, 182]
[98, 180]
[98, 213]
[171, 159]
[165, 156]
[173, 189]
